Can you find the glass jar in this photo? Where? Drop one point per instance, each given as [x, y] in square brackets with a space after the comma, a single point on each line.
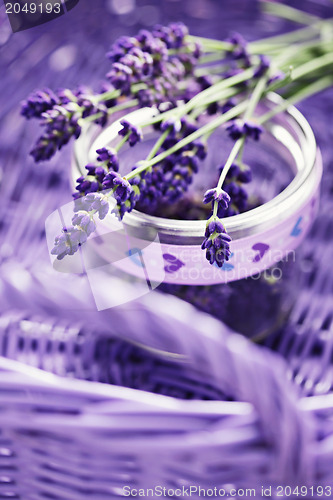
[255, 290]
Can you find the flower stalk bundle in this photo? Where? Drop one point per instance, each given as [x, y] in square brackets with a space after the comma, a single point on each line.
[184, 78]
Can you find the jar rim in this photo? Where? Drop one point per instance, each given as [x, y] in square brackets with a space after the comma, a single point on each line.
[256, 219]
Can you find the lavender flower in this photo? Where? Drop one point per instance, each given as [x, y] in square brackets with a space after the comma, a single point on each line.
[60, 115]
[102, 178]
[239, 51]
[90, 103]
[228, 105]
[93, 181]
[39, 102]
[61, 123]
[238, 129]
[168, 180]
[178, 169]
[216, 242]
[96, 171]
[120, 48]
[125, 207]
[195, 86]
[84, 221]
[233, 186]
[86, 185]
[146, 58]
[45, 148]
[109, 157]
[150, 186]
[264, 65]
[200, 149]
[244, 176]
[239, 200]
[89, 107]
[122, 77]
[93, 202]
[205, 81]
[135, 60]
[173, 35]
[128, 193]
[86, 103]
[219, 196]
[146, 98]
[252, 130]
[108, 102]
[135, 134]
[122, 189]
[276, 77]
[83, 224]
[190, 162]
[174, 124]
[235, 129]
[67, 95]
[68, 242]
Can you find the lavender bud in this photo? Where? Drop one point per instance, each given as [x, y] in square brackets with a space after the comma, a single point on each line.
[135, 134]
[216, 243]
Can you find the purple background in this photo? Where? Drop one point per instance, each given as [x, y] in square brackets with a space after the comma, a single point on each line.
[70, 51]
[55, 442]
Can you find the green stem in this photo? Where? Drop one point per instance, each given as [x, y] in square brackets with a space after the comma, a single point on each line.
[286, 12]
[277, 84]
[195, 113]
[311, 66]
[210, 58]
[233, 155]
[203, 131]
[111, 111]
[213, 44]
[210, 96]
[308, 91]
[144, 166]
[146, 163]
[158, 144]
[212, 70]
[225, 95]
[110, 94]
[299, 35]
[240, 155]
[113, 94]
[120, 144]
[201, 99]
[266, 44]
[239, 144]
[288, 55]
[214, 124]
[255, 97]
[265, 48]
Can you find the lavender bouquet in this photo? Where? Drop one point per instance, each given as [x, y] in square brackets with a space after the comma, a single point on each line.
[184, 78]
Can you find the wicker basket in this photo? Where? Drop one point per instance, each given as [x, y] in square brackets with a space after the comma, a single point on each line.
[242, 424]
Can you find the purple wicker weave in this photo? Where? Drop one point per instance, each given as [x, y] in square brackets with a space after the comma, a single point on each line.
[155, 393]
[62, 430]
